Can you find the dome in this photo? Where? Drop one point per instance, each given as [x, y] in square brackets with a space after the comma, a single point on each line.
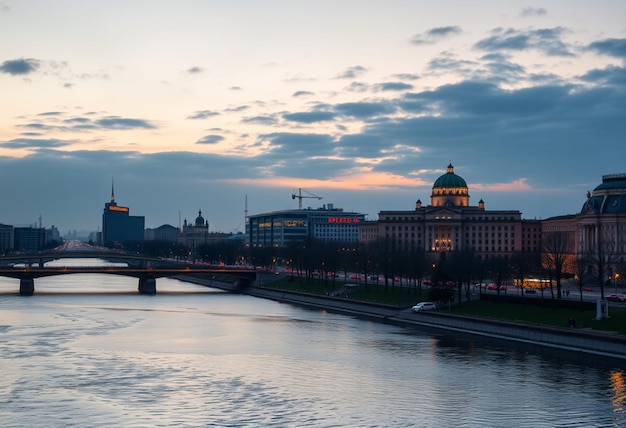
[612, 182]
[200, 219]
[450, 190]
[450, 179]
[608, 197]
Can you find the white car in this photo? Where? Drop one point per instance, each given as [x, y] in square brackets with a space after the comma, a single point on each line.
[424, 306]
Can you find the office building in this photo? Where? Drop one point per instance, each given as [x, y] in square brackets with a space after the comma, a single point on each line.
[29, 239]
[279, 228]
[6, 238]
[118, 226]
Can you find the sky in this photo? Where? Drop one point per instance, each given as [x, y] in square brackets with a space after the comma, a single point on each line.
[231, 107]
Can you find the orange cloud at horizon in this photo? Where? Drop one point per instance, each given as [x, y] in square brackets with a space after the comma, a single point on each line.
[360, 180]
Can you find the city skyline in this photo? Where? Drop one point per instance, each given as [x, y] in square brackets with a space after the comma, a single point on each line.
[201, 105]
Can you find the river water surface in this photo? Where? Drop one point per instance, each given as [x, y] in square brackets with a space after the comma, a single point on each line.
[87, 350]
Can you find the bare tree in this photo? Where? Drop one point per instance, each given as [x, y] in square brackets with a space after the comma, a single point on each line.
[603, 257]
[558, 250]
[581, 271]
[461, 263]
[500, 270]
[525, 263]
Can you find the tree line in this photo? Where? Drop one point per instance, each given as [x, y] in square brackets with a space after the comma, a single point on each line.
[382, 263]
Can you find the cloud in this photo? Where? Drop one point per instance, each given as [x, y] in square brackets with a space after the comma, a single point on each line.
[302, 93]
[611, 76]
[435, 34]
[364, 110]
[116, 122]
[447, 62]
[59, 69]
[294, 145]
[546, 40]
[493, 134]
[202, 114]
[502, 69]
[406, 76]
[77, 120]
[309, 117]
[611, 47]
[33, 143]
[358, 87]
[236, 109]
[533, 11]
[195, 70]
[20, 66]
[302, 168]
[210, 139]
[393, 86]
[61, 122]
[352, 72]
[261, 120]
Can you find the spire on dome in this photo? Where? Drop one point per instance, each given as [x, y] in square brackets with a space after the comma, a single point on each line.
[450, 168]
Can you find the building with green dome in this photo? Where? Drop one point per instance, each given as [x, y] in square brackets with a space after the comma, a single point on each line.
[450, 223]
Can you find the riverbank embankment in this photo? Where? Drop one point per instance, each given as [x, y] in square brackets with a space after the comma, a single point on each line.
[583, 341]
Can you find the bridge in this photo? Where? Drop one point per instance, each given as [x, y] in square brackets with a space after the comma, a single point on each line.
[42, 257]
[27, 267]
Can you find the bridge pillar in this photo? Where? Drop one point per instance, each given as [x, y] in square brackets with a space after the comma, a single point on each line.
[147, 286]
[243, 282]
[27, 286]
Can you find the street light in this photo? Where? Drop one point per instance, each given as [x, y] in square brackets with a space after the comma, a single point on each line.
[616, 277]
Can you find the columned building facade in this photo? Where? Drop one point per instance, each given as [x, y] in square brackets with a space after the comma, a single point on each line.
[598, 232]
[602, 220]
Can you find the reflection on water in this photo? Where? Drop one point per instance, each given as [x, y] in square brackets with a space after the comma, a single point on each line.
[619, 391]
[87, 350]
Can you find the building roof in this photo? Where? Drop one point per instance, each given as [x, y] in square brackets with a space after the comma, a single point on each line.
[613, 182]
[450, 179]
[608, 197]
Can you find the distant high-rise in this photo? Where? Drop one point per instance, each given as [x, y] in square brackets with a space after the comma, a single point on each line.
[6, 238]
[118, 226]
[29, 239]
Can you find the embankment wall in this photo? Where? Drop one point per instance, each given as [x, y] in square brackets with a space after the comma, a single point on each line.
[584, 341]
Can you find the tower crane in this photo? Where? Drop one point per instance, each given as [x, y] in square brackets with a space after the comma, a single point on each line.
[300, 196]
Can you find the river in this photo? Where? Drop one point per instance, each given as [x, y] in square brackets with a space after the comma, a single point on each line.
[87, 350]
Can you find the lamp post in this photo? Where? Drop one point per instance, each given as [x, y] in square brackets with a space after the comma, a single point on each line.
[615, 278]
